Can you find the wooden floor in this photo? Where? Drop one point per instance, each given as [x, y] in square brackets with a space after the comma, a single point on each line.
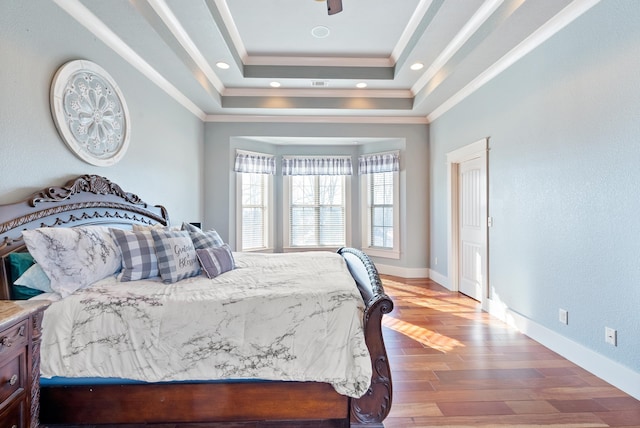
[454, 365]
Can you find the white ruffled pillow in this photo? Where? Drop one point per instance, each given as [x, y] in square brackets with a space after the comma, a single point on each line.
[74, 258]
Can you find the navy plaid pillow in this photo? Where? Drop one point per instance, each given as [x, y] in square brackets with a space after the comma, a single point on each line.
[202, 239]
[216, 260]
[177, 257]
[139, 259]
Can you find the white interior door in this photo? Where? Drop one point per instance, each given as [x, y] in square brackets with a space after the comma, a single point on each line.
[472, 223]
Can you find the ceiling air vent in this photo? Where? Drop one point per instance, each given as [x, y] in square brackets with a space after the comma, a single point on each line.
[319, 83]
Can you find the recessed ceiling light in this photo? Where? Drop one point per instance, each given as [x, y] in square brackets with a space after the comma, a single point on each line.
[222, 65]
[275, 84]
[361, 85]
[417, 66]
[320, 32]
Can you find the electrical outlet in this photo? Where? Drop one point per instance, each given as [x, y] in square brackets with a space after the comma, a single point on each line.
[563, 316]
[611, 336]
[435, 261]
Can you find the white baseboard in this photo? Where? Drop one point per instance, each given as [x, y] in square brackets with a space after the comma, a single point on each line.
[402, 272]
[439, 278]
[606, 369]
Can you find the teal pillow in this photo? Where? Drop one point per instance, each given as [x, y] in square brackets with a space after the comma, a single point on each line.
[19, 263]
[20, 292]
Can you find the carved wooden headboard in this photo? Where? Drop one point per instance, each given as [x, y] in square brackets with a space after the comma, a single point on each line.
[85, 200]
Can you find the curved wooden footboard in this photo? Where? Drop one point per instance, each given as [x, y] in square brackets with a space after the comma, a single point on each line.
[373, 407]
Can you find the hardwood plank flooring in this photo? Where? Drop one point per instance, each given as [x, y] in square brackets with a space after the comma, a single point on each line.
[454, 365]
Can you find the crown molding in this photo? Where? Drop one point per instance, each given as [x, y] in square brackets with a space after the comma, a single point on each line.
[99, 29]
[317, 93]
[387, 120]
[173, 24]
[311, 61]
[480, 17]
[563, 18]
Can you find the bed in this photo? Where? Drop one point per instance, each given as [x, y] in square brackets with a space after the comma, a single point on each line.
[251, 400]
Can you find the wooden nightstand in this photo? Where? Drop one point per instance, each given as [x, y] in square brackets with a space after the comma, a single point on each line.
[20, 334]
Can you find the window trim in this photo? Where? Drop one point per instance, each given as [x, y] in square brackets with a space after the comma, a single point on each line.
[286, 199]
[365, 193]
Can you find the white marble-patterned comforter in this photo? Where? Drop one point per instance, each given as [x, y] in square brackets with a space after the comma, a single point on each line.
[295, 316]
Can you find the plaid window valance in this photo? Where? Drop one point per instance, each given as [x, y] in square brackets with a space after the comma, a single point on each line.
[317, 165]
[380, 162]
[255, 163]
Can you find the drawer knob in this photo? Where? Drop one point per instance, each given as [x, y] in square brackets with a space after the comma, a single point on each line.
[13, 380]
[6, 341]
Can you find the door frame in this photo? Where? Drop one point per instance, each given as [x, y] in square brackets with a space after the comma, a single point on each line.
[454, 158]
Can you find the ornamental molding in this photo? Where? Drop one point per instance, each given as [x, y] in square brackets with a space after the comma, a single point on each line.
[90, 113]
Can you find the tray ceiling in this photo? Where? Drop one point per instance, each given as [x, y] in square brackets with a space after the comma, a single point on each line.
[317, 59]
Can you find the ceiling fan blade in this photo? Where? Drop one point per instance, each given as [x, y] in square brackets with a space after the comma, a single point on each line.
[334, 6]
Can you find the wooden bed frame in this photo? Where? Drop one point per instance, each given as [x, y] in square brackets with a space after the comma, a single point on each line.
[94, 200]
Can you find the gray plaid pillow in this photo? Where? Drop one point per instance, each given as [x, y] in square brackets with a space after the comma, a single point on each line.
[216, 260]
[139, 259]
[202, 239]
[177, 257]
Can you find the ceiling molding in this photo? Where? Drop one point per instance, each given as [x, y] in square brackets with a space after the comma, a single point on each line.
[98, 28]
[480, 17]
[542, 34]
[317, 72]
[230, 25]
[315, 103]
[173, 24]
[410, 29]
[314, 61]
[387, 120]
[317, 92]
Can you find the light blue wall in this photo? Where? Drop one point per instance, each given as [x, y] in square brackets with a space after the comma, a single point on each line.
[164, 160]
[221, 140]
[564, 128]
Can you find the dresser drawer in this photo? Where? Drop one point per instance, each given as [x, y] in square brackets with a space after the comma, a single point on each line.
[13, 337]
[13, 417]
[12, 376]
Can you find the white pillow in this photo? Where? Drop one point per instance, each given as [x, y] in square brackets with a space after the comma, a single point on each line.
[74, 258]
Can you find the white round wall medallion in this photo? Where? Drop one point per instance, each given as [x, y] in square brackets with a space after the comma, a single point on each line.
[90, 112]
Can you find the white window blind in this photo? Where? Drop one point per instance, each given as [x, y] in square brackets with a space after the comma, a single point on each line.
[381, 203]
[317, 211]
[381, 196]
[255, 170]
[254, 196]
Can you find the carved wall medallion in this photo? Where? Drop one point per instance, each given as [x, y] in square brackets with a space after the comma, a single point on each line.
[90, 112]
